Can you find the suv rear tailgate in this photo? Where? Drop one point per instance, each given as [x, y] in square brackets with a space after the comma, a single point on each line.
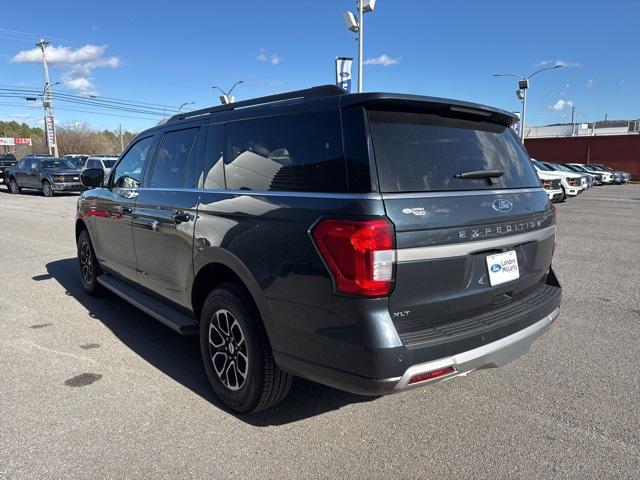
[459, 187]
[442, 245]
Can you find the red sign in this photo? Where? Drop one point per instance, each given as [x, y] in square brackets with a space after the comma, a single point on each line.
[22, 141]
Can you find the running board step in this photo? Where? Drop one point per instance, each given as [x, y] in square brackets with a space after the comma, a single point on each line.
[175, 320]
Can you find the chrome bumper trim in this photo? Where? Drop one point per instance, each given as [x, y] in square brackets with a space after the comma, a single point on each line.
[463, 249]
[493, 354]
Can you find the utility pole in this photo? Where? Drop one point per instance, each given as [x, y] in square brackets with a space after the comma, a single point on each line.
[573, 120]
[121, 140]
[46, 103]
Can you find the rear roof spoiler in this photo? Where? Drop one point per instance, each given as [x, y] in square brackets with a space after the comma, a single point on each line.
[434, 104]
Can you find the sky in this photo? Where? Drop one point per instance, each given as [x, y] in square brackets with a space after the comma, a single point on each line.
[166, 53]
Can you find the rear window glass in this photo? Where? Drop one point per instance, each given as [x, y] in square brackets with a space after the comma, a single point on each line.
[418, 152]
[286, 153]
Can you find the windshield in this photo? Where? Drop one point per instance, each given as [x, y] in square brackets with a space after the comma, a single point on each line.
[576, 168]
[541, 166]
[58, 163]
[108, 163]
[418, 152]
[565, 168]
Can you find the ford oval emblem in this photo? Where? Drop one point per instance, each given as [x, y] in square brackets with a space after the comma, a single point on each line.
[502, 205]
[496, 267]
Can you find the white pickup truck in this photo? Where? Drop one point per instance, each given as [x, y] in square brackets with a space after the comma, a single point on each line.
[570, 183]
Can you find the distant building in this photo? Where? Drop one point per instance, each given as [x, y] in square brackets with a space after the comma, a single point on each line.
[609, 127]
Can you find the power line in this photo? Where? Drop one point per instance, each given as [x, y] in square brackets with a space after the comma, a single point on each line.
[79, 110]
[100, 98]
[94, 102]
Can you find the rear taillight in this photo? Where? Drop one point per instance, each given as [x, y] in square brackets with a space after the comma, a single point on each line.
[423, 377]
[360, 254]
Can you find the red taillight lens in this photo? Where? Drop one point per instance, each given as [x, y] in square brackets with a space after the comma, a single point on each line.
[360, 254]
[421, 377]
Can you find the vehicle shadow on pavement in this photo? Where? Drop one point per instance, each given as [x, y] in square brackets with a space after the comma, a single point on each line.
[179, 356]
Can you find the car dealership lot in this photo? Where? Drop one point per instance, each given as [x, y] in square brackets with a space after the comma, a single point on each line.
[94, 388]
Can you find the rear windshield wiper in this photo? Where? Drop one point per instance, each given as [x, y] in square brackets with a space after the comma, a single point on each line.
[487, 174]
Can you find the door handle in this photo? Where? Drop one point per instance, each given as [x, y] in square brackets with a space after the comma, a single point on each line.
[180, 217]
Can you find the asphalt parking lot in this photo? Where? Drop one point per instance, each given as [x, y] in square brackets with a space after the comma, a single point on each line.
[93, 388]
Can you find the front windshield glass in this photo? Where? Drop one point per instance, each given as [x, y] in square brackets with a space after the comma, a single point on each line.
[58, 163]
[541, 166]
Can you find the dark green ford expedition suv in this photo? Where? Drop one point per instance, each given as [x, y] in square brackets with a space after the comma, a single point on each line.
[372, 242]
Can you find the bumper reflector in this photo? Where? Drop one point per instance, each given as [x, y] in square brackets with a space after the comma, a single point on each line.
[421, 377]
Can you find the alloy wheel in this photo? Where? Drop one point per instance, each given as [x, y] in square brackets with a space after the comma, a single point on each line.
[228, 350]
[86, 263]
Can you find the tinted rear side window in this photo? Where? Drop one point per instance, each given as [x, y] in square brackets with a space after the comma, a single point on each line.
[172, 157]
[286, 153]
[417, 152]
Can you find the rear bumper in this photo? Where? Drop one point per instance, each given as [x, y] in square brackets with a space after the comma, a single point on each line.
[495, 354]
[491, 355]
[361, 365]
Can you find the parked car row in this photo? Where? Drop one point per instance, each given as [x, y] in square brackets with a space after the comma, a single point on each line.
[562, 181]
[50, 174]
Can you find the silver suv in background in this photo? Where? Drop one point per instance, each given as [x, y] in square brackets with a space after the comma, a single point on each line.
[102, 162]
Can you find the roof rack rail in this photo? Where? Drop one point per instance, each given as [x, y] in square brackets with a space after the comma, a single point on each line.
[321, 91]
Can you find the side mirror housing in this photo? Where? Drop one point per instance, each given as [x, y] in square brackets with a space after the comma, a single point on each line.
[92, 177]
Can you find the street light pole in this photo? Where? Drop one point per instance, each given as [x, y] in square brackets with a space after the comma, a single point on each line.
[360, 42]
[524, 113]
[48, 108]
[523, 86]
[226, 97]
[184, 104]
[356, 25]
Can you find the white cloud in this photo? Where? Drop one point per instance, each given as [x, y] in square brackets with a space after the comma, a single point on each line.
[20, 117]
[79, 63]
[589, 83]
[384, 60]
[560, 105]
[266, 56]
[562, 63]
[568, 85]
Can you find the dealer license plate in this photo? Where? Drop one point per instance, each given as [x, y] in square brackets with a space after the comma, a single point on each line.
[503, 267]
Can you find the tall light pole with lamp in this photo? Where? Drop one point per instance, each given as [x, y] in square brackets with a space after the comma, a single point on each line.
[521, 93]
[226, 97]
[184, 105]
[356, 25]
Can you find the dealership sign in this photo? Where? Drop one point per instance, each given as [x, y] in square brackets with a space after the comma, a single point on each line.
[51, 131]
[343, 72]
[11, 141]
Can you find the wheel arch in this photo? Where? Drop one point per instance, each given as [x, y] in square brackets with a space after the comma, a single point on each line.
[216, 266]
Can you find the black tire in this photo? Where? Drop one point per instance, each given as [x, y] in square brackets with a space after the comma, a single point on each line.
[47, 189]
[88, 267]
[13, 186]
[564, 195]
[264, 384]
